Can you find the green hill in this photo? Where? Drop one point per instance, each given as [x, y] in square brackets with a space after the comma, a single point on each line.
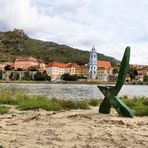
[15, 43]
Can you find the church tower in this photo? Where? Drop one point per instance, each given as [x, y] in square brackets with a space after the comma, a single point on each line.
[92, 74]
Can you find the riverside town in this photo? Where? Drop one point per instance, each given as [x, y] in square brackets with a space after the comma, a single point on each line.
[30, 68]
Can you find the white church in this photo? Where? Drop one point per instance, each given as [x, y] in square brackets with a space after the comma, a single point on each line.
[92, 73]
[98, 70]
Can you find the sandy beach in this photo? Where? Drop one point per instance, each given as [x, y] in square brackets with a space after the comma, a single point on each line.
[71, 129]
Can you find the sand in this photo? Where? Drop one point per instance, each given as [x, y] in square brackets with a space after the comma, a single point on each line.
[72, 129]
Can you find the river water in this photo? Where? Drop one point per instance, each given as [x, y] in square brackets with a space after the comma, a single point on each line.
[72, 91]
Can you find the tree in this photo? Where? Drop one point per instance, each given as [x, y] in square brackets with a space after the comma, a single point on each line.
[132, 76]
[132, 73]
[42, 76]
[74, 77]
[115, 70]
[27, 75]
[16, 76]
[1, 74]
[68, 77]
[11, 76]
[8, 67]
[48, 78]
[145, 79]
[37, 76]
[32, 68]
[45, 76]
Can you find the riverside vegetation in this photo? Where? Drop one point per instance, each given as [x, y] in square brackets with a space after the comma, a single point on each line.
[25, 102]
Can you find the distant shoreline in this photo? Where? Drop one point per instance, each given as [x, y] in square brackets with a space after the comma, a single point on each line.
[73, 82]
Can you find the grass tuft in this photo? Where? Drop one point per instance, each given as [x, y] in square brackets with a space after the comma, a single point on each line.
[6, 97]
[82, 104]
[38, 102]
[72, 104]
[94, 102]
[138, 104]
[4, 109]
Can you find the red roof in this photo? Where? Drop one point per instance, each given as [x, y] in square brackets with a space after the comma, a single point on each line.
[61, 65]
[104, 64]
[145, 68]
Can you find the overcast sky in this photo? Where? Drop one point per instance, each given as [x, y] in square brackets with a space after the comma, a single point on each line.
[110, 25]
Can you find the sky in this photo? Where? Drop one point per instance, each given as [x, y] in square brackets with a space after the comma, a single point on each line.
[109, 25]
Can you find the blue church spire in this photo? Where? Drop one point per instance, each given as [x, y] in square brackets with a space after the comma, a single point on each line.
[93, 48]
[92, 74]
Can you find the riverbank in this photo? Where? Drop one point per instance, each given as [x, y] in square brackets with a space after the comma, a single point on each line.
[33, 102]
[72, 82]
[71, 129]
[56, 82]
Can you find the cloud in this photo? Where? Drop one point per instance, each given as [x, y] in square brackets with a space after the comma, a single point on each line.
[110, 25]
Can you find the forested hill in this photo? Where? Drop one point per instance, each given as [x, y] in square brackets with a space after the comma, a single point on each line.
[16, 43]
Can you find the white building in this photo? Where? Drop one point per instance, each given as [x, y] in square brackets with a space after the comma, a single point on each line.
[56, 69]
[92, 73]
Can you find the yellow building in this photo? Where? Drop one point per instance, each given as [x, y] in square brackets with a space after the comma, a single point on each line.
[82, 70]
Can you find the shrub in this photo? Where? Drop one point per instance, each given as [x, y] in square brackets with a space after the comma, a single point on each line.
[27, 75]
[37, 76]
[72, 104]
[38, 102]
[16, 76]
[4, 109]
[138, 104]
[145, 78]
[141, 110]
[68, 77]
[67, 104]
[1, 73]
[94, 102]
[8, 67]
[42, 76]
[6, 97]
[82, 104]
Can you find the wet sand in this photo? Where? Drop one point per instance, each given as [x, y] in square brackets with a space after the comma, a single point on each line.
[71, 129]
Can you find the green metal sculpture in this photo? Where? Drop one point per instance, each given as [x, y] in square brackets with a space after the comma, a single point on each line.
[111, 92]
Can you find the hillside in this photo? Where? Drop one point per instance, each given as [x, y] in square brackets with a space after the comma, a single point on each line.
[15, 43]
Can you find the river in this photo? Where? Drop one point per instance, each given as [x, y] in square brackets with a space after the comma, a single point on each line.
[72, 91]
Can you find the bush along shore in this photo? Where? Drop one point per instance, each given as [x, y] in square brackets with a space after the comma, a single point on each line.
[25, 102]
